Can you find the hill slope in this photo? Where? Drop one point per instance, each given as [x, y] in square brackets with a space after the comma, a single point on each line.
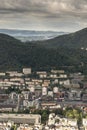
[73, 40]
[15, 54]
[8, 47]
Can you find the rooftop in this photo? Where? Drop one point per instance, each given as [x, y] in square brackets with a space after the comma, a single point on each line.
[27, 116]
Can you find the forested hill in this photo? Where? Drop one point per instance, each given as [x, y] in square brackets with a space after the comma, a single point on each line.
[4, 38]
[73, 40]
[15, 54]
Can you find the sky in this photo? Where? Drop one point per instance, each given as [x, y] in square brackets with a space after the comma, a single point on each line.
[55, 15]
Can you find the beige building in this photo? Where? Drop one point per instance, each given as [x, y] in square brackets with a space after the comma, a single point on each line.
[21, 118]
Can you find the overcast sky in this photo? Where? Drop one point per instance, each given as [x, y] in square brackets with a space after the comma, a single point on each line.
[57, 15]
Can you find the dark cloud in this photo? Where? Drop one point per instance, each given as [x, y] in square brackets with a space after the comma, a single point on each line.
[50, 14]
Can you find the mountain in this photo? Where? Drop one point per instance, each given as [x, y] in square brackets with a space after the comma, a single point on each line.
[73, 40]
[8, 47]
[62, 52]
[31, 35]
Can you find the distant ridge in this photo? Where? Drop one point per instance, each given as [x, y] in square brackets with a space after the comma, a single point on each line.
[31, 35]
[73, 40]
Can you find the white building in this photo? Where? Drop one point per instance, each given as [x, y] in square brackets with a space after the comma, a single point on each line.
[50, 93]
[2, 74]
[51, 120]
[32, 88]
[55, 90]
[84, 122]
[27, 71]
[44, 91]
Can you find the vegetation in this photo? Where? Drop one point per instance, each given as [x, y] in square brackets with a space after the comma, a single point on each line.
[74, 113]
[13, 89]
[63, 52]
[14, 127]
[69, 112]
[44, 115]
[73, 40]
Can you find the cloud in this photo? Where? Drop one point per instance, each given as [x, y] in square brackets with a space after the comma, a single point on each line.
[45, 13]
[46, 6]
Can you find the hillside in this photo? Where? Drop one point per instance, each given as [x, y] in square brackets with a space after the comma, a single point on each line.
[15, 54]
[73, 40]
[8, 47]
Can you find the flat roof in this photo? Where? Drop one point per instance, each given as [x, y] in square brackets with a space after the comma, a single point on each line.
[27, 116]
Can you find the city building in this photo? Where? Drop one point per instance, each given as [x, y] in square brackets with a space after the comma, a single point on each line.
[21, 118]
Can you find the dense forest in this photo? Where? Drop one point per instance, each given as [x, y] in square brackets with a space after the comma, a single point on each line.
[72, 40]
[59, 54]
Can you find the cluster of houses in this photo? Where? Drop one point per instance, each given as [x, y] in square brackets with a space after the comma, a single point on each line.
[44, 90]
[33, 122]
[20, 122]
[41, 89]
[55, 122]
